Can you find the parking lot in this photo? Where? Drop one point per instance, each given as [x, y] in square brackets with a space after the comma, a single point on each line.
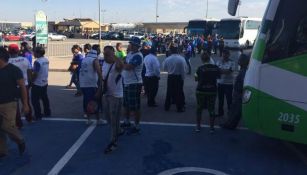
[58, 146]
[167, 144]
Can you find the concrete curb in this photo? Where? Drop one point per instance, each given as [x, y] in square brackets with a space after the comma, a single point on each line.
[58, 70]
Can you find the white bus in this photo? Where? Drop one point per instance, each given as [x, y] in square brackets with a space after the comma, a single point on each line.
[240, 32]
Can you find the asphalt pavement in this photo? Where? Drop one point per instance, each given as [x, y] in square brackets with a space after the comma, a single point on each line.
[167, 144]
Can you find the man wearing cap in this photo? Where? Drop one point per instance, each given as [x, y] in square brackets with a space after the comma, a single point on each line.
[10, 77]
[132, 75]
[25, 66]
[176, 67]
[152, 77]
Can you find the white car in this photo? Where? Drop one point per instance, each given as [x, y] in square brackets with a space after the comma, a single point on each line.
[29, 36]
[56, 37]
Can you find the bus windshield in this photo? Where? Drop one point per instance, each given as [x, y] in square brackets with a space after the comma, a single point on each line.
[197, 24]
[197, 27]
[230, 29]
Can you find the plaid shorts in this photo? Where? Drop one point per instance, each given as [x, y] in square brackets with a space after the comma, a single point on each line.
[132, 97]
[206, 100]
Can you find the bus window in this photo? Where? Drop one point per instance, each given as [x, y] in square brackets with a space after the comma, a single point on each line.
[230, 29]
[252, 24]
[287, 32]
[301, 38]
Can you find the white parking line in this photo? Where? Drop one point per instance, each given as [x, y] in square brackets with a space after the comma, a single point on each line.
[143, 123]
[191, 169]
[69, 154]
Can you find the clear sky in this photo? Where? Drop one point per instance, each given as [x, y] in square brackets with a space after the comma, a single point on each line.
[123, 11]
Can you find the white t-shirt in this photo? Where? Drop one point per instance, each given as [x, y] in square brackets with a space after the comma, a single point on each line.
[88, 75]
[152, 65]
[226, 78]
[23, 64]
[115, 82]
[41, 67]
[133, 76]
[175, 65]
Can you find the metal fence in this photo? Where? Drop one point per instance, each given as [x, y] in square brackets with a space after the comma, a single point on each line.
[63, 48]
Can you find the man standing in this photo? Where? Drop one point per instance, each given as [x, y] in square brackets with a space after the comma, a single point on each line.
[40, 83]
[90, 74]
[152, 77]
[236, 107]
[176, 67]
[113, 93]
[206, 76]
[10, 78]
[132, 75]
[225, 83]
[25, 66]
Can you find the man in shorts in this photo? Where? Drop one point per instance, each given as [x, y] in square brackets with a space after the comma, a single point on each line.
[132, 75]
[206, 76]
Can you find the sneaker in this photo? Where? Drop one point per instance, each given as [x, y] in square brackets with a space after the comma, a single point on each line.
[125, 125]
[197, 130]
[100, 122]
[134, 130]
[21, 148]
[69, 87]
[121, 132]
[78, 94]
[89, 122]
[212, 130]
[111, 147]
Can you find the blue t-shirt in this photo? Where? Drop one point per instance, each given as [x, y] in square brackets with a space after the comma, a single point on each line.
[29, 56]
[133, 76]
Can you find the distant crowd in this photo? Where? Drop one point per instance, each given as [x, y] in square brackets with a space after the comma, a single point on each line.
[115, 78]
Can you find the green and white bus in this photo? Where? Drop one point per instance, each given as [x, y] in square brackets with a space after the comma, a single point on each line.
[275, 88]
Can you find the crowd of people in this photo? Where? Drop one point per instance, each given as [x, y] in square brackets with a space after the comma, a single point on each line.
[114, 81]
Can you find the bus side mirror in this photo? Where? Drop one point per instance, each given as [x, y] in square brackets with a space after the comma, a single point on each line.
[233, 6]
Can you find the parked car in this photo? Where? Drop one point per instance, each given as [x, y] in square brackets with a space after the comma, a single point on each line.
[12, 37]
[96, 35]
[114, 36]
[29, 36]
[129, 35]
[56, 37]
[140, 35]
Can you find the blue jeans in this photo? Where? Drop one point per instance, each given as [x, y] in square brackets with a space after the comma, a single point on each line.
[75, 80]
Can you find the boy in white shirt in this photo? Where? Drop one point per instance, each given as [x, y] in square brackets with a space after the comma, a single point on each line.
[26, 68]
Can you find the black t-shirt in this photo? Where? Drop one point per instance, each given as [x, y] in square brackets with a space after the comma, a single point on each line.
[8, 83]
[207, 76]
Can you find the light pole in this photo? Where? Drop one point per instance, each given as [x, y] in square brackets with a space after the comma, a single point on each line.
[157, 8]
[207, 9]
[103, 11]
[99, 8]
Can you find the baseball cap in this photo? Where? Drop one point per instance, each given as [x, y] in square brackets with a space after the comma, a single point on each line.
[135, 41]
[147, 44]
[13, 48]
